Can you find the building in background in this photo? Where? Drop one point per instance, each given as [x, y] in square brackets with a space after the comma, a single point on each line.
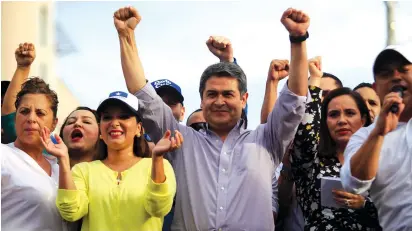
[34, 22]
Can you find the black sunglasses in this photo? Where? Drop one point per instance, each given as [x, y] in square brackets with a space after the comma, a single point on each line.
[198, 126]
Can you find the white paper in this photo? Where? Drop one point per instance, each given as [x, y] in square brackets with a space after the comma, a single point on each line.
[327, 184]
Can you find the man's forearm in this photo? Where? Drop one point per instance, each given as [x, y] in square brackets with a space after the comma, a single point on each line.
[131, 64]
[298, 75]
[365, 162]
[271, 94]
[20, 76]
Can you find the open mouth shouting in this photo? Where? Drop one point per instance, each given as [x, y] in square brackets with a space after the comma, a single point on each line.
[77, 135]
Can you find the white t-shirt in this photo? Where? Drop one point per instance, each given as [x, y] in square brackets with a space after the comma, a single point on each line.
[391, 189]
[28, 193]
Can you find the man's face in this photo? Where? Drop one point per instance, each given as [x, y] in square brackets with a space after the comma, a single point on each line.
[222, 103]
[327, 84]
[170, 98]
[394, 75]
[372, 101]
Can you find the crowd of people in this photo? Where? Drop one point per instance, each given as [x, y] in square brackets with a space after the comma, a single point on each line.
[132, 164]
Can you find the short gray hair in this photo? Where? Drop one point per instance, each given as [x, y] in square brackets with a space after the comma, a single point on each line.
[224, 69]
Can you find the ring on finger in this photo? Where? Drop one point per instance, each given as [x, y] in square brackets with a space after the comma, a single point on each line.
[347, 203]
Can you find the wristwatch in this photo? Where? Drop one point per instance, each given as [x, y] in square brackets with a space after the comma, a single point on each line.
[298, 39]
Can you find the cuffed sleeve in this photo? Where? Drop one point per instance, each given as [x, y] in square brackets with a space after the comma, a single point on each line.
[74, 204]
[283, 121]
[159, 196]
[157, 117]
[349, 182]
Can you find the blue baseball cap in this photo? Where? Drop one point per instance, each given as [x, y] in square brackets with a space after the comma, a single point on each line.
[167, 84]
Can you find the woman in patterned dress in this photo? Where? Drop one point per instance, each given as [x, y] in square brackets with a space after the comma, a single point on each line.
[343, 113]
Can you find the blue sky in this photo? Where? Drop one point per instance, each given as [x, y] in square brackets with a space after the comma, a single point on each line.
[172, 35]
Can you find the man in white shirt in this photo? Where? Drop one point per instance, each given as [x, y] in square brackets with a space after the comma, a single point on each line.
[379, 158]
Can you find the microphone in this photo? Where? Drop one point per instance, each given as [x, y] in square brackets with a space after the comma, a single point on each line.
[399, 89]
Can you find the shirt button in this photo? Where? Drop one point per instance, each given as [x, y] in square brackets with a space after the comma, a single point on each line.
[225, 153]
[222, 188]
[221, 208]
[220, 229]
[223, 170]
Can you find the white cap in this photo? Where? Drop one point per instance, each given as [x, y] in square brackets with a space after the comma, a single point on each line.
[404, 50]
[121, 97]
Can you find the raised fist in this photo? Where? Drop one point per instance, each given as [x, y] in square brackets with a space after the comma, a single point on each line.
[25, 54]
[278, 69]
[221, 47]
[126, 20]
[295, 21]
[315, 67]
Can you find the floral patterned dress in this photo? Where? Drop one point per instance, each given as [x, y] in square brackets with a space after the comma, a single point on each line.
[307, 171]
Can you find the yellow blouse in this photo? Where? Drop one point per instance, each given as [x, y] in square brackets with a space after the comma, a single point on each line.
[134, 203]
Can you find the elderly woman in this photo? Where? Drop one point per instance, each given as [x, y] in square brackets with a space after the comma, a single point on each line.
[29, 179]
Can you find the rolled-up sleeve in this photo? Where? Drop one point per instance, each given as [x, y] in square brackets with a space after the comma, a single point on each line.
[74, 204]
[349, 182]
[159, 196]
[283, 121]
[157, 117]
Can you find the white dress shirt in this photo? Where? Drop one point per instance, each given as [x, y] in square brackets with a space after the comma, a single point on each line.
[391, 189]
[28, 193]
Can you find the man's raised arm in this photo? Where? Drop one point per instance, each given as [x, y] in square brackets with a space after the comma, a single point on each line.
[289, 109]
[297, 24]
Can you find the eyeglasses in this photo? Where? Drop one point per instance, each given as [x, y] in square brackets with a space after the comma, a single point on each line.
[198, 126]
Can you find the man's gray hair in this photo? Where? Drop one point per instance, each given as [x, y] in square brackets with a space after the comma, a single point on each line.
[224, 69]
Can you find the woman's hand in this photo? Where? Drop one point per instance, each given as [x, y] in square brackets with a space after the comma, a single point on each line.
[58, 150]
[168, 143]
[348, 200]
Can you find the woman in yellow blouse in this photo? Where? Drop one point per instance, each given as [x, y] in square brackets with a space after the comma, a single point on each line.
[123, 190]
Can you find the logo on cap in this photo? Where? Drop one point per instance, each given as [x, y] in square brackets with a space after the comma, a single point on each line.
[163, 82]
[118, 94]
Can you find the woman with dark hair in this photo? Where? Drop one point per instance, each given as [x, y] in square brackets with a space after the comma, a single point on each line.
[123, 189]
[29, 178]
[342, 113]
[80, 133]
